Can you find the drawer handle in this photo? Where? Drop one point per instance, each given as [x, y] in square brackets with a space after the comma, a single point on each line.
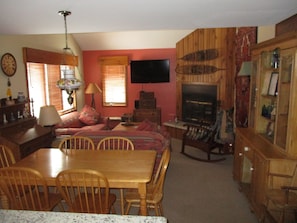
[246, 149]
[252, 169]
[240, 154]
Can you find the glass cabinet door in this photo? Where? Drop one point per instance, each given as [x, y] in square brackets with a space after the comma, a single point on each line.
[253, 93]
[267, 92]
[284, 90]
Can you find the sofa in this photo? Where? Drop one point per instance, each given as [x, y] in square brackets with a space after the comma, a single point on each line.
[156, 139]
[88, 119]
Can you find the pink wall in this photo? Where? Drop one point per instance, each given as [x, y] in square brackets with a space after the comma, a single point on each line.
[165, 93]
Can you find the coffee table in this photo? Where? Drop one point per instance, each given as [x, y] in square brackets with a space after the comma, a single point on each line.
[124, 126]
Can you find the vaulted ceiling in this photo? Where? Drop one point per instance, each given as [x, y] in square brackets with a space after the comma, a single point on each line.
[103, 16]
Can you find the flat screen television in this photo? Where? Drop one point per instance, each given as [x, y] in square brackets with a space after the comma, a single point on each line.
[150, 71]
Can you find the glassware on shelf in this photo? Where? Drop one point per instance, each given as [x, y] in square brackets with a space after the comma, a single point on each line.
[275, 58]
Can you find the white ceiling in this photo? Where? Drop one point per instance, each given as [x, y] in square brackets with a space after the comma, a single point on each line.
[102, 16]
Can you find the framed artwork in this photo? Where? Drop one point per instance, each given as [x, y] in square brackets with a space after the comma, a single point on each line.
[266, 83]
[273, 84]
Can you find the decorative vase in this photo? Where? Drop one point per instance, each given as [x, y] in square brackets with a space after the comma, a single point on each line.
[21, 97]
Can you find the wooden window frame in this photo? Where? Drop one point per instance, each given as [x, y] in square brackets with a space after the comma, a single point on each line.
[116, 64]
[51, 59]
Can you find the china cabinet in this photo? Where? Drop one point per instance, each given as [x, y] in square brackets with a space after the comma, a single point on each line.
[15, 116]
[268, 144]
[273, 100]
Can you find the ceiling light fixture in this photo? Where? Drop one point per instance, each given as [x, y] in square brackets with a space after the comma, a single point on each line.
[68, 82]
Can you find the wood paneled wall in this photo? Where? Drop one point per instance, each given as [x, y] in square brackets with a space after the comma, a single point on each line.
[221, 39]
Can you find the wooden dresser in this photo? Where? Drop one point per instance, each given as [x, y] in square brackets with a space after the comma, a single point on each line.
[19, 130]
[153, 114]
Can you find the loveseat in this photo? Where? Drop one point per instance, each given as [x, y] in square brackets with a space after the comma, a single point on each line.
[88, 119]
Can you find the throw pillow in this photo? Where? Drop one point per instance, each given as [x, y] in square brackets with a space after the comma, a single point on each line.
[89, 115]
[70, 120]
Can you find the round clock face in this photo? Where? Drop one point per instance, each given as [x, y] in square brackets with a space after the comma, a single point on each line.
[8, 64]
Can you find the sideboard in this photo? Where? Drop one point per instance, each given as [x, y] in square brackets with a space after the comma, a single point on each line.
[24, 141]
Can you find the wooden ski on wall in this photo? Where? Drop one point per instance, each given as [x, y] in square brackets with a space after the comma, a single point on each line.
[197, 69]
[201, 55]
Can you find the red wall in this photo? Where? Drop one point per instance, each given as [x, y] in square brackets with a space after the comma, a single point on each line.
[165, 93]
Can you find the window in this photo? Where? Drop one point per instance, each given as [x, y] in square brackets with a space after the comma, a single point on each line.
[114, 80]
[42, 87]
[43, 72]
[114, 85]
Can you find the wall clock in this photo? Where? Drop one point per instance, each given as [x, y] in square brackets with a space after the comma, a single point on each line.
[8, 64]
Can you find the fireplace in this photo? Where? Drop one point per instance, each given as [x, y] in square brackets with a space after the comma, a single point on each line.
[199, 103]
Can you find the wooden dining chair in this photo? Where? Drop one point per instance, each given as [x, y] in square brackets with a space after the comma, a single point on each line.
[6, 159]
[154, 194]
[281, 200]
[85, 191]
[76, 142]
[6, 156]
[116, 143]
[26, 189]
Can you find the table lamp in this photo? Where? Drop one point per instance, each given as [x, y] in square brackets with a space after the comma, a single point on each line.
[245, 69]
[93, 89]
[48, 116]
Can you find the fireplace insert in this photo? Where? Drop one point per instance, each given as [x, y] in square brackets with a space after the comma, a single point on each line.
[199, 103]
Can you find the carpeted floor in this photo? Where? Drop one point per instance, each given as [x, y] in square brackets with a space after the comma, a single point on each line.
[200, 192]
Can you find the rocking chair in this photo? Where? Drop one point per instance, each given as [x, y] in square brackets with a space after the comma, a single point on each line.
[202, 137]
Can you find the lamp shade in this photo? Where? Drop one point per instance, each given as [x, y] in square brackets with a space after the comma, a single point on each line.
[246, 68]
[93, 89]
[48, 116]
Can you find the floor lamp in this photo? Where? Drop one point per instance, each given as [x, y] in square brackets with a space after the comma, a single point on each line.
[93, 89]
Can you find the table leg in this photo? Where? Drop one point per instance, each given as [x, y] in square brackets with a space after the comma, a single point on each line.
[142, 194]
[3, 200]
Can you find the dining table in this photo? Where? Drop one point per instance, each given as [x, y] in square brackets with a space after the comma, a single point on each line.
[123, 169]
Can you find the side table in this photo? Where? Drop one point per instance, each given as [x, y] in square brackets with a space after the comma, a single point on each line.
[175, 129]
[26, 141]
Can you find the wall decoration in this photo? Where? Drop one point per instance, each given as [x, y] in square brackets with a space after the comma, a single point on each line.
[246, 37]
[201, 55]
[8, 64]
[197, 69]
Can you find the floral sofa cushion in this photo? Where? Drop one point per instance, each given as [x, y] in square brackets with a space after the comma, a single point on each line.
[72, 124]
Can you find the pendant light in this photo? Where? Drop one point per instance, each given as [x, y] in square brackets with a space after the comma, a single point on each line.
[68, 83]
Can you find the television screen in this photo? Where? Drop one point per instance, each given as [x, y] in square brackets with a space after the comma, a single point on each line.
[150, 71]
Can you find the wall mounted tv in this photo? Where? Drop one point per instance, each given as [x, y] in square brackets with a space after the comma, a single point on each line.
[150, 71]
